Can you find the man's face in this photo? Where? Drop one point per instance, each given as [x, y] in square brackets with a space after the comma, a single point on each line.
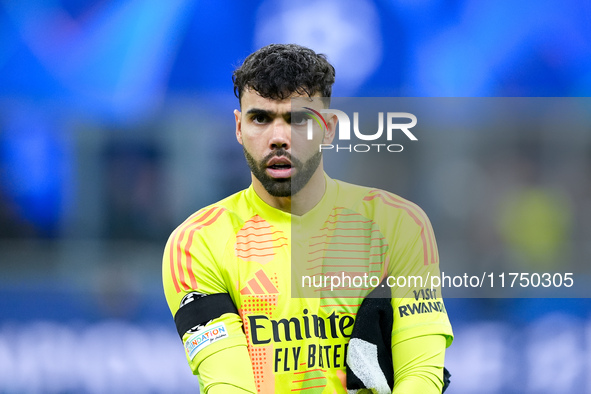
[264, 128]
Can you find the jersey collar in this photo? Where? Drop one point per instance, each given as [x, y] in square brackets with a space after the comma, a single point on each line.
[314, 218]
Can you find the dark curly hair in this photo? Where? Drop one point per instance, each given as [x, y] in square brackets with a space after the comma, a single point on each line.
[279, 70]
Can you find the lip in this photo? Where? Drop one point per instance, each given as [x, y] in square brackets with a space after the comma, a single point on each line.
[279, 172]
[278, 160]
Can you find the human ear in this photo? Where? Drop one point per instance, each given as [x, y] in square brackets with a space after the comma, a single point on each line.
[331, 126]
[238, 120]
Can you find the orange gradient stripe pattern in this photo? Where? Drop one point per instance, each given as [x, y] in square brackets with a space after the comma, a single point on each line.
[420, 218]
[180, 247]
[257, 241]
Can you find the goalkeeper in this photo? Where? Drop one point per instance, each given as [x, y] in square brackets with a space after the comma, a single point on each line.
[227, 269]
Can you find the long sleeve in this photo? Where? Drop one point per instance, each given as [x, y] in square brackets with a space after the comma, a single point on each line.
[227, 371]
[418, 365]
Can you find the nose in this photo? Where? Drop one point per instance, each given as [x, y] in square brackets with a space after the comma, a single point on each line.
[281, 135]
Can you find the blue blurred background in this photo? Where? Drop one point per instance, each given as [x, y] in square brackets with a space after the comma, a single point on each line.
[116, 124]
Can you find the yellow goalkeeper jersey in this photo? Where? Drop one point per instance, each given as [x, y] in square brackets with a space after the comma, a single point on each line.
[281, 273]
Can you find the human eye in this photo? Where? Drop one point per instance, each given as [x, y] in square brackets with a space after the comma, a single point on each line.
[299, 118]
[259, 118]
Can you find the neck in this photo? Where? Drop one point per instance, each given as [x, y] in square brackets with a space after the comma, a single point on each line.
[300, 203]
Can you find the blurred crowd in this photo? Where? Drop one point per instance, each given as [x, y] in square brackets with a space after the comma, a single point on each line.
[116, 124]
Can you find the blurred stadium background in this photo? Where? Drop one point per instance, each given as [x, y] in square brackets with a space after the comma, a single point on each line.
[116, 123]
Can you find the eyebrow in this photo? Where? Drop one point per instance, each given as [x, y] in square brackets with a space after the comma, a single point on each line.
[259, 111]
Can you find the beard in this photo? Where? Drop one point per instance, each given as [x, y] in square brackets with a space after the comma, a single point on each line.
[283, 187]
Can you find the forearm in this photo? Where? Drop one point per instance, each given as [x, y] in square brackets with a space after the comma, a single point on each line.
[224, 388]
[227, 371]
[418, 365]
